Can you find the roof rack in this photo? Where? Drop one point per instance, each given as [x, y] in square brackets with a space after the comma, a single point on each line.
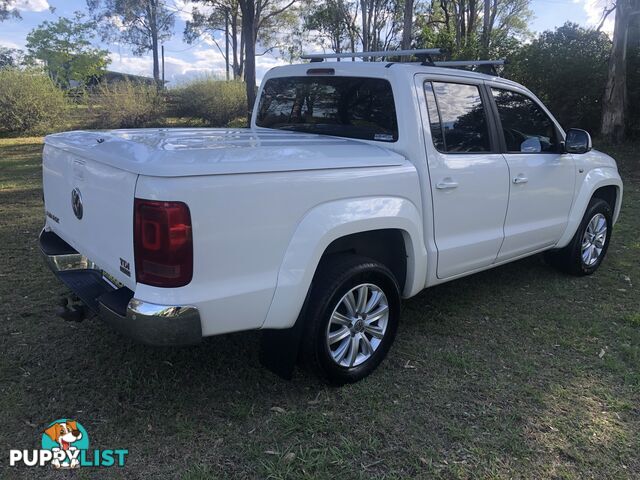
[423, 54]
[489, 65]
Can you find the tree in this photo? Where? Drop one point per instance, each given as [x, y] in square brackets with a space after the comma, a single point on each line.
[223, 18]
[615, 94]
[10, 57]
[469, 29]
[382, 22]
[64, 47]
[264, 20]
[6, 10]
[143, 24]
[567, 69]
[633, 79]
[407, 24]
[333, 21]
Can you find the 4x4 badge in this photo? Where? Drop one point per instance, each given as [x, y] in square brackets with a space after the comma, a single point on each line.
[76, 203]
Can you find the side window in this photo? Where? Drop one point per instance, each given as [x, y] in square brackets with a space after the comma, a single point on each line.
[434, 118]
[526, 127]
[457, 118]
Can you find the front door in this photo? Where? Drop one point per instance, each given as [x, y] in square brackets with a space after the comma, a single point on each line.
[542, 178]
[469, 176]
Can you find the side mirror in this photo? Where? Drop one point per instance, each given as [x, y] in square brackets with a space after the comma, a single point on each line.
[577, 141]
[531, 145]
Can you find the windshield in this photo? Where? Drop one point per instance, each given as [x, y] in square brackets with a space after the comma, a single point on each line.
[352, 107]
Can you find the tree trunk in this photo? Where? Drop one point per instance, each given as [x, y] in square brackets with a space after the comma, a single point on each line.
[615, 94]
[407, 24]
[153, 27]
[248, 29]
[226, 43]
[365, 26]
[486, 28]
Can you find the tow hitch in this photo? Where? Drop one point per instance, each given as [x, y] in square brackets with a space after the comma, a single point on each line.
[72, 309]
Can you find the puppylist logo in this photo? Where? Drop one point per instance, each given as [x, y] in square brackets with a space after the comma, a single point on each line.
[65, 444]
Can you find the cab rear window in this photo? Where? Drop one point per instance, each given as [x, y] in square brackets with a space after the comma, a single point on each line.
[352, 107]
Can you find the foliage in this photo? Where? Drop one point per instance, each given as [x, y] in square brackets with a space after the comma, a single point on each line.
[567, 69]
[133, 21]
[7, 10]
[213, 21]
[215, 102]
[29, 102]
[126, 105]
[335, 22]
[267, 21]
[64, 47]
[381, 23]
[458, 25]
[143, 24]
[10, 57]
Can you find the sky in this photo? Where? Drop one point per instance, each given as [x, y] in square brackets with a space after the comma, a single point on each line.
[184, 61]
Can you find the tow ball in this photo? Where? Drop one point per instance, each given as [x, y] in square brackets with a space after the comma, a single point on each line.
[72, 309]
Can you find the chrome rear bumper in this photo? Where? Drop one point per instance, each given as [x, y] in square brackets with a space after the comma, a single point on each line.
[145, 322]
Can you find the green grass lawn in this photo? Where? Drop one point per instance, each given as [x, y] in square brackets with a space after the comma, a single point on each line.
[518, 372]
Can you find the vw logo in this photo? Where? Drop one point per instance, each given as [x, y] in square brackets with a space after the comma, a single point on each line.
[76, 203]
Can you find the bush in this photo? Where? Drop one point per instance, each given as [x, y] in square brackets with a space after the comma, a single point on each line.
[126, 105]
[214, 102]
[29, 102]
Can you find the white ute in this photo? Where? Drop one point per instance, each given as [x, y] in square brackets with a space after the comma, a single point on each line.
[357, 184]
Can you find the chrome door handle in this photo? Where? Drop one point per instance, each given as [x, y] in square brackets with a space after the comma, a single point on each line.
[520, 179]
[446, 184]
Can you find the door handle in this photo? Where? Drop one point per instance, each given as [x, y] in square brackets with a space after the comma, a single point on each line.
[520, 179]
[445, 184]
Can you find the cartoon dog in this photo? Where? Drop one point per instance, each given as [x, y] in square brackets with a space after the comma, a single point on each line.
[64, 434]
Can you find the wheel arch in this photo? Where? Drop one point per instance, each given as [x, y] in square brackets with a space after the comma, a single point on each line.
[343, 226]
[604, 183]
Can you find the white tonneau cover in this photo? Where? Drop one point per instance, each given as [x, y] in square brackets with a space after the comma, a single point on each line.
[209, 151]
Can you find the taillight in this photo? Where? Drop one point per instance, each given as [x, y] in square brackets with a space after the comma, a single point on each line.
[162, 242]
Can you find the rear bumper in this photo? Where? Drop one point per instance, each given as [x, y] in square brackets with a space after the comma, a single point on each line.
[145, 322]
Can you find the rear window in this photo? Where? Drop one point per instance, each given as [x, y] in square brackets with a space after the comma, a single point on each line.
[352, 107]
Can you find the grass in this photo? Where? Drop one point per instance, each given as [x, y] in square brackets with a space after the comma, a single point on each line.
[518, 372]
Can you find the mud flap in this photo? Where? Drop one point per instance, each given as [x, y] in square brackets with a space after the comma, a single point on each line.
[279, 348]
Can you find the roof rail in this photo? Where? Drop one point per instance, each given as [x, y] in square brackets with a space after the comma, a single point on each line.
[423, 54]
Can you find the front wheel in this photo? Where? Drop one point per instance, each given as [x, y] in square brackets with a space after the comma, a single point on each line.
[587, 249]
[351, 318]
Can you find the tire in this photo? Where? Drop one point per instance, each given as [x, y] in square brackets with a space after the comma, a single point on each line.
[327, 313]
[574, 258]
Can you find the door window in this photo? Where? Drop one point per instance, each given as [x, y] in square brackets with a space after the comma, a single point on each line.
[457, 118]
[526, 126]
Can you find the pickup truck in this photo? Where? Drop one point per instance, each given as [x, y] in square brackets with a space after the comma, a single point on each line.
[357, 184]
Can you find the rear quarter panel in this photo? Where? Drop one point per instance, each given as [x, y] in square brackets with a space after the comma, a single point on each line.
[243, 225]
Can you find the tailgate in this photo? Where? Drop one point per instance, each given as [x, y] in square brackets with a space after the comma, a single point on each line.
[90, 206]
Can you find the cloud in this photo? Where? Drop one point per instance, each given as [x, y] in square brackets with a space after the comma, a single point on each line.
[32, 5]
[185, 7]
[9, 44]
[203, 62]
[594, 10]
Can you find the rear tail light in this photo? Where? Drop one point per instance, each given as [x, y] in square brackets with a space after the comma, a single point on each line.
[163, 243]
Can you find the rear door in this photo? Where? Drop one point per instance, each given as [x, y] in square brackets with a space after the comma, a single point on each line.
[542, 178]
[469, 176]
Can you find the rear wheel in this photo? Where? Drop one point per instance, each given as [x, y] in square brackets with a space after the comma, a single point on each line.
[351, 318]
[584, 254]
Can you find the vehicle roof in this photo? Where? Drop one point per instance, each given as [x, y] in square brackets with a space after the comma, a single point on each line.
[383, 69]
